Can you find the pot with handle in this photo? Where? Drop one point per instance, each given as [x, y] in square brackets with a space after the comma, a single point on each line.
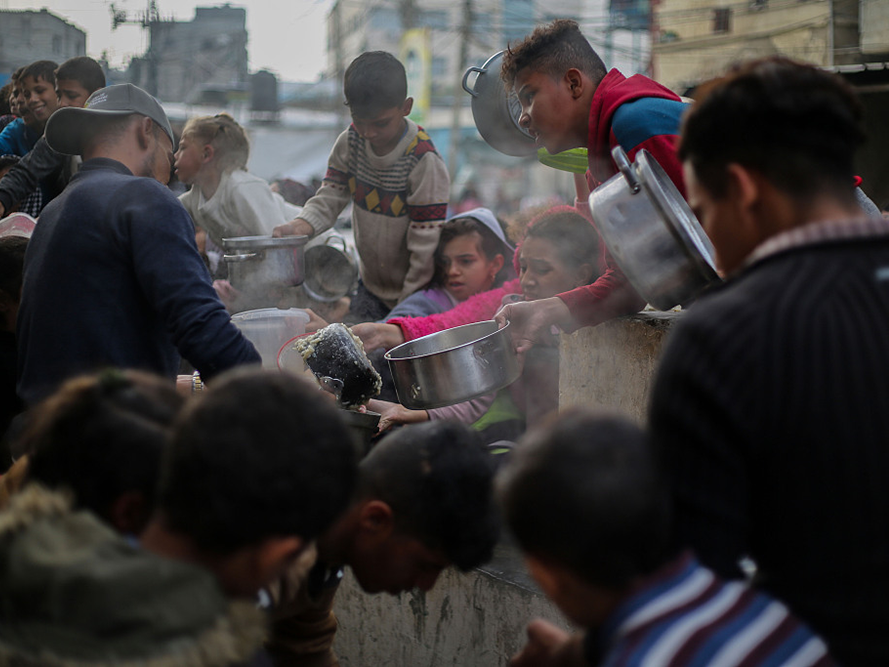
[652, 233]
[496, 112]
[453, 365]
[263, 261]
[330, 272]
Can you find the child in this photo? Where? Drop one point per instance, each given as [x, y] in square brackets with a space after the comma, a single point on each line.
[75, 80]
[570, 100]
[554, 257]
[225, 200]
[470, 258]
[585, 500]
[398, 184]
[37, 85]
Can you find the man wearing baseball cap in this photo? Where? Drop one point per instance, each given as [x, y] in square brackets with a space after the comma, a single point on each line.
[112, 276]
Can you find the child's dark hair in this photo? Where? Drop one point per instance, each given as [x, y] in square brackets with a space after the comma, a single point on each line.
[438, 480]
[775, 107]
[574, 237]
[374, 81]
[257, 455]
[583, 490]
[12, 259]
[83, 69]
[17, 74]
[102, 436]
[5, 94]
[490, 247]
[552, 49]
[41, 69]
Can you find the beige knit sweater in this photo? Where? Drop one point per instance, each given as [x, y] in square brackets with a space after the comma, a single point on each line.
[399, 203]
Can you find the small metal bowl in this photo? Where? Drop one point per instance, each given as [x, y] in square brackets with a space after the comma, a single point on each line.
[453, 365]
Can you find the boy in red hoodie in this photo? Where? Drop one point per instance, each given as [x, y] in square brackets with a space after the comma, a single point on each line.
[570, 100]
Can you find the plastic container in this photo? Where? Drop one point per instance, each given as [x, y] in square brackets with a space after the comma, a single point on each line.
[269, 328]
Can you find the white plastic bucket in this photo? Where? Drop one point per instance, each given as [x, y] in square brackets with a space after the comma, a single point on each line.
[269, 328]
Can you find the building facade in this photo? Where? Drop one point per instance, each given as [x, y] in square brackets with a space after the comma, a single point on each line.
[199, 61]
[27, 36]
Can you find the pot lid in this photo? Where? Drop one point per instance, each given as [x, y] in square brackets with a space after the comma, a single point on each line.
[496, 112]
[676, 212]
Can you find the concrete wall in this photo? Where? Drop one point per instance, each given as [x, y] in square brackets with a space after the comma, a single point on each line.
[478, 619]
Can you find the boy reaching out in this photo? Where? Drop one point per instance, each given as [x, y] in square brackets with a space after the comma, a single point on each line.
[398, 184]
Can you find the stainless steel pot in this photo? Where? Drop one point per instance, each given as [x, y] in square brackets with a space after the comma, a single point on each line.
[330, 272]
[259, 261]
[496, 112]
[453, 365]
[363, 426]
[652, 233]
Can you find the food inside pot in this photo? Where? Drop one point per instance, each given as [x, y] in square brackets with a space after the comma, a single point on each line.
[337, 358]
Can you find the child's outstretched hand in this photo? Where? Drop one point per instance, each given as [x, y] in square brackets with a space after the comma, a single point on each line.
[298, 227]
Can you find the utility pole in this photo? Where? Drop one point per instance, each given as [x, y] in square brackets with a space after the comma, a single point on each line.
[408, 15]
[457, 104]
[339, 63]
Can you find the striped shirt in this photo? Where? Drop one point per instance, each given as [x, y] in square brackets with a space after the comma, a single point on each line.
[684, 615]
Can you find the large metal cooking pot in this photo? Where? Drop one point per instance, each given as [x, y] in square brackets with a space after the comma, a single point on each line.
[330, 272]
[259, 261]
[652, 233]
[453, 365]
[496, 112]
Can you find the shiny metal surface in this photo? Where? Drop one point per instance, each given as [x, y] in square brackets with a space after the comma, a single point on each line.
[260, 261]
[496, 113]
[331, 272]
[453, 365]
[652, 233]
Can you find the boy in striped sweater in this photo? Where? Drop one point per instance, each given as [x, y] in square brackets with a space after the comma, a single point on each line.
[387, 166]
[585, 500]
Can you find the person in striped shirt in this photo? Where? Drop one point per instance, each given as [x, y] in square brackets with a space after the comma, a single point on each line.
[587, 503]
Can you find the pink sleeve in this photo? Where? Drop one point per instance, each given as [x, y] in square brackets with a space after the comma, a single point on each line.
[475, 309]
[467, 412]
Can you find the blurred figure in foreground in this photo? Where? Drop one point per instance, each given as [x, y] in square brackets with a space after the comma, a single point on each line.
[770, 404]
[591, 512]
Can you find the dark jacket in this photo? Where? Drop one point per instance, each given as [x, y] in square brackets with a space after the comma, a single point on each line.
[43, 168]
[113, 277]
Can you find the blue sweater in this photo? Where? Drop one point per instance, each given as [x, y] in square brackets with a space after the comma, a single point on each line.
[17, 138]
[113, 278]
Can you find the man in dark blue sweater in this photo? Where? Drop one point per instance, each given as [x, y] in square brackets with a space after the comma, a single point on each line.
[771, 405]
[112, 275]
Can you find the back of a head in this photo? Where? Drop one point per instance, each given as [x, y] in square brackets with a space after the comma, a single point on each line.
[583, 490]
[12, 259]
[437, 479]
[373, 82]
[258, 455]
[796, 124]
[41, 69]
[102, 436]
[83, 69]
[552, 49]
[229, 140]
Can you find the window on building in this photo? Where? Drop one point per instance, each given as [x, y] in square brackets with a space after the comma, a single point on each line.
[384, 18]
[722, 19]
[56, 44]
[439, 66]
[759, 4]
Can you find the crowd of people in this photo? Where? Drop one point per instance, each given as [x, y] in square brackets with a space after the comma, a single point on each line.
[146, 518]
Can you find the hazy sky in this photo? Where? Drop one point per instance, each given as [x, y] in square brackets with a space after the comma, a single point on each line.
[288, 37]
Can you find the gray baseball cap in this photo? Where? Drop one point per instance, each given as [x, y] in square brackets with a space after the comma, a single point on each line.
[65, 128]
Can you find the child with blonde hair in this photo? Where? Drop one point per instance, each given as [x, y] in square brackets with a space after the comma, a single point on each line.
[225, 200]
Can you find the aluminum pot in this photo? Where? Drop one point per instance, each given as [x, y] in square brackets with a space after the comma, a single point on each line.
[330, 272]
[260, 261]
[652, 233]
[496, 112]
[453, 365]
[363, 426]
